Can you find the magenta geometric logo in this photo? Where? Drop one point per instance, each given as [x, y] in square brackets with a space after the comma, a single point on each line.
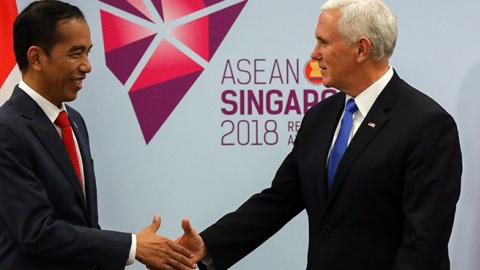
[174, 39]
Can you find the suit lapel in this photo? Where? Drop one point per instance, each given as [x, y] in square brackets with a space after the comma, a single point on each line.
[87, 170]
[373, 123]
[325, 138]
[49, 137]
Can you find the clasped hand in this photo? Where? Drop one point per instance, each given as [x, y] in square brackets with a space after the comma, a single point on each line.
[160, 253]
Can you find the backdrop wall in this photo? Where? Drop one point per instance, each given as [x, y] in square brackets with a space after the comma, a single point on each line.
[204, 156]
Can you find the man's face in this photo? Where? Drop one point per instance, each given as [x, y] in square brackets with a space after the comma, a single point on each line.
[336, 57]
[64, 70]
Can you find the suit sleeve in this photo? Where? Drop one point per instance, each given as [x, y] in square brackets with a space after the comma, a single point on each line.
[431, 191]
[30, 217]
[238, 233]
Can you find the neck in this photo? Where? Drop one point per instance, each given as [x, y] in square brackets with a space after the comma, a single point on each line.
[36, 83]
[368, 74]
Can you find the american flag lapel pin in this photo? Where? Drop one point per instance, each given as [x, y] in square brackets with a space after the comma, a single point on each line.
[372, 125]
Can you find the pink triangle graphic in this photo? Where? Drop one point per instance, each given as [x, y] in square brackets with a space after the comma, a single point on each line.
[135, 7]
[166, 78]
[159, 6]
[173, 9]
[205, 34]
[195, 35]
[154, 104]
[166, 63]
[118, 32]
[220, 23]
[140, 6]
[169, 73]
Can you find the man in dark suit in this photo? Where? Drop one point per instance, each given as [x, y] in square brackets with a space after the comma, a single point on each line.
[377, 166]
[48, 201]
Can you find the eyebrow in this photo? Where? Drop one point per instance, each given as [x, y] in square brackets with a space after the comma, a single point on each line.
[322, 40]
[76, 48]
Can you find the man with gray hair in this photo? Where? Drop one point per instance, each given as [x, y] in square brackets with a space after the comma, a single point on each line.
[380, 188]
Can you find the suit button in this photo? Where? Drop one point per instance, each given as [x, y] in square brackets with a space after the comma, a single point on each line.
[326, 229]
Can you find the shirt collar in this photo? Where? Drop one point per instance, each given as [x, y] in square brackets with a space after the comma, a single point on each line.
[47, 107]
[368, 96]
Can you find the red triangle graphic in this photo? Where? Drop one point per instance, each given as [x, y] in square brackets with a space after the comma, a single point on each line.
[173, 9]
[118, 32]
[166, 63]
[195, 35]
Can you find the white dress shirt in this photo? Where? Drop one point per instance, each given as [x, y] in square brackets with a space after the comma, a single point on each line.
[364, 102]
[52, 112]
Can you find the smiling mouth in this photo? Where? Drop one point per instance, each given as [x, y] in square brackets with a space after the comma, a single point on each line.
[78, 82]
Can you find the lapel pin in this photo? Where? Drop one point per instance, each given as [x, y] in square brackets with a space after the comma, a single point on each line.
[372, 125]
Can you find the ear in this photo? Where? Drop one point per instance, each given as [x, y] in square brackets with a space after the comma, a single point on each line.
[364, 48]
[36, 56]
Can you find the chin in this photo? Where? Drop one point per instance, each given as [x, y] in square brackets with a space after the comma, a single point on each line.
[327, 83]
[71, 97]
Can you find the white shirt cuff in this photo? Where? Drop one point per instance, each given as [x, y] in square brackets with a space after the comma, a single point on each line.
[133, 250]
[207, 261]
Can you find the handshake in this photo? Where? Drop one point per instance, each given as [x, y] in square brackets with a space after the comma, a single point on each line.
[158, 252]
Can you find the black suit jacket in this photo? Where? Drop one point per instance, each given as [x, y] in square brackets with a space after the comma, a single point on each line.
[393, 199]
[45, 220]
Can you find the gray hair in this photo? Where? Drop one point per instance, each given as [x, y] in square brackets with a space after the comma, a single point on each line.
[372, 19]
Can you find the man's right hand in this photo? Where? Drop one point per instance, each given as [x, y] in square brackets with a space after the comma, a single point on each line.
[158, 252]
[192, 241]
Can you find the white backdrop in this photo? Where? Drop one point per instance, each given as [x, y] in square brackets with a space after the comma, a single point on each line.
[184, 171]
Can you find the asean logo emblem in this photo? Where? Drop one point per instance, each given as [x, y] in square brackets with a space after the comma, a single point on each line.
[313, 73]
[176, 40]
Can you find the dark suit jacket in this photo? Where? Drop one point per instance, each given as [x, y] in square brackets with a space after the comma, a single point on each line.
[393, 199]
[45, 220]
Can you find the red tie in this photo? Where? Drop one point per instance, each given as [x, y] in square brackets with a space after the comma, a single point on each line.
[67, 136]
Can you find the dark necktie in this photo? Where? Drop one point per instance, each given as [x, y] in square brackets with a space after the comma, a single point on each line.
[63, 122]
[341, 142]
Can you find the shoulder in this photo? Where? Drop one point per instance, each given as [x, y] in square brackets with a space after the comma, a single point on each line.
[75, 116]
[78, 121]
[417, 106]
[423, 120]
[11, 118]
[13, 133]
[412, 98]
[72, 113]
[326, 107]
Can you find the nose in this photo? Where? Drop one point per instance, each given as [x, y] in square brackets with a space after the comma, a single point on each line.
[316, 53]
[85, 66]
